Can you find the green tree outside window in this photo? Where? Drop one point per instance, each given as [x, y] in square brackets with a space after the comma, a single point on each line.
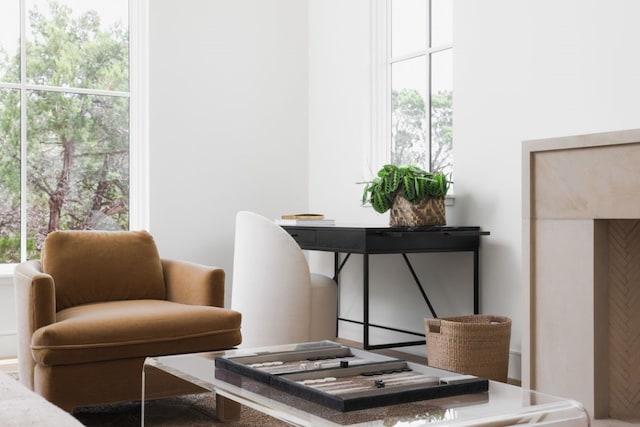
[409, 127]
[77, 141]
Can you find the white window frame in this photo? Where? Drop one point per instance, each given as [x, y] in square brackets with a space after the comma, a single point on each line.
[138, 121]
[379, 148]
[139, 114]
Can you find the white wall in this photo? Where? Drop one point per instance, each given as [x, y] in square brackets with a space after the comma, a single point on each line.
[8, 323]
[228, 126]
[522, 70]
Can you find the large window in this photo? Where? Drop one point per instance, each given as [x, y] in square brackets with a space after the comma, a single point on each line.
[67, 99]
[412, 83]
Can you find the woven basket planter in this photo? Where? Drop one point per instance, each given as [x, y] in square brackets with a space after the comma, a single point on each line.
[407, 214]
[475, 345]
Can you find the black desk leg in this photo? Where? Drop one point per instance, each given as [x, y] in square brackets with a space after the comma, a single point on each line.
[336, 275]
[365, 300]
[476, 287]
[337, 268]
[419, 285]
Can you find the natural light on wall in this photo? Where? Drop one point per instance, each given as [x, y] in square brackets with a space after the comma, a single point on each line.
[412, 84]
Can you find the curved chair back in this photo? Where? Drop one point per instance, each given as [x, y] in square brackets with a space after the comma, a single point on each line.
[271, 283]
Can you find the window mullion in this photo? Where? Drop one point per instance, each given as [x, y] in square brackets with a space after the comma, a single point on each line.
[407, 56]
[23, 131]
[419, 53]
[427, 112]
[378, 146]
[76, 90]
[138, 116]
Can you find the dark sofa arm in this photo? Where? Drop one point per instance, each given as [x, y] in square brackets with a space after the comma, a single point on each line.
[190, 283]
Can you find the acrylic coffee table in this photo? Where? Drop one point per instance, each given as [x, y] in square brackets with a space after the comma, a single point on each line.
[502, 405]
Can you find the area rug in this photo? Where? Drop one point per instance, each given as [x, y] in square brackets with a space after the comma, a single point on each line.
[185, 411]
[193, 410]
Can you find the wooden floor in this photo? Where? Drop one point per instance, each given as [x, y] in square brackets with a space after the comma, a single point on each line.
[613, 423]
[387, 352]
[409, 357]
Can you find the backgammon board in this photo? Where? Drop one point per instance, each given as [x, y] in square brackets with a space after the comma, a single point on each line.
[336, 377]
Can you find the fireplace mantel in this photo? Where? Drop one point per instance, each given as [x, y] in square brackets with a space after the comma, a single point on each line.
[578, 192]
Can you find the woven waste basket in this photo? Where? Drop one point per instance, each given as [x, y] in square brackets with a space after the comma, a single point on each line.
[475, 345]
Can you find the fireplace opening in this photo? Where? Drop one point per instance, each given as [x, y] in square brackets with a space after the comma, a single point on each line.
[623, 335]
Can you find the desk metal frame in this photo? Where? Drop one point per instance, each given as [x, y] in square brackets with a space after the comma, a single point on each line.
[385, 240]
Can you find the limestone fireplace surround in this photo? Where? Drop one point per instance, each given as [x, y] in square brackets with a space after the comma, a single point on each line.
[581, 268]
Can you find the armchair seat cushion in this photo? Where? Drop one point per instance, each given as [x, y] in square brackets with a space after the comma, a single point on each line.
[134, 328]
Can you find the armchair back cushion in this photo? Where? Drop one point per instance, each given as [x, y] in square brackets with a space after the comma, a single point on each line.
[96, 266]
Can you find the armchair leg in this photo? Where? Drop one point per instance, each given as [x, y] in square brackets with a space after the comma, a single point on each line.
[227, 409]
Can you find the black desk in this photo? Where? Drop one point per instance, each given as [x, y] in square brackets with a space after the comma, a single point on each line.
[384, 240]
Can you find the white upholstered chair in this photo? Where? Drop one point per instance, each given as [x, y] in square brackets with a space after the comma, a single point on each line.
[280, 300]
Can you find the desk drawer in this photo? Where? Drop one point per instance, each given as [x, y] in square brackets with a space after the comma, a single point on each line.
[302, 236]
[416, 241]
[331, 239]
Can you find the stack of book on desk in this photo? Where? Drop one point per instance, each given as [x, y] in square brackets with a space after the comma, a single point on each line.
[312, 220]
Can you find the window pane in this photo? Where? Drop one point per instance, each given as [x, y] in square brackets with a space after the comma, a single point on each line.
[78, 163]
[9, 176]
[10, 41]
[408, 117]
[441, 111]
[86, 48]
[441, 22]
[409, 26]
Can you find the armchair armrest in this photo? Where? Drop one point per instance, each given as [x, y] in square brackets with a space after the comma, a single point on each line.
[196, 284]
[35, 307]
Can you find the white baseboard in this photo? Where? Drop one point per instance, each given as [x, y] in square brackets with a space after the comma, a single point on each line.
[515, 365]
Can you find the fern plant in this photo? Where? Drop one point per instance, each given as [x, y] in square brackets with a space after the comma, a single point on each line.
[415, 184]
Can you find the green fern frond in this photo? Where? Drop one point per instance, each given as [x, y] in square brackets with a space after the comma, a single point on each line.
[414, 183]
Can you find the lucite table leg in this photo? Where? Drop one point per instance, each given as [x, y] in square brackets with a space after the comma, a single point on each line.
[143, 396]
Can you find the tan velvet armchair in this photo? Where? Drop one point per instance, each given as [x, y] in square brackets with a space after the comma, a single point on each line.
[98, 303]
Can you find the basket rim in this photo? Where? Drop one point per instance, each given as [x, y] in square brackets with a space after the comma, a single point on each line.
[469, 319]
